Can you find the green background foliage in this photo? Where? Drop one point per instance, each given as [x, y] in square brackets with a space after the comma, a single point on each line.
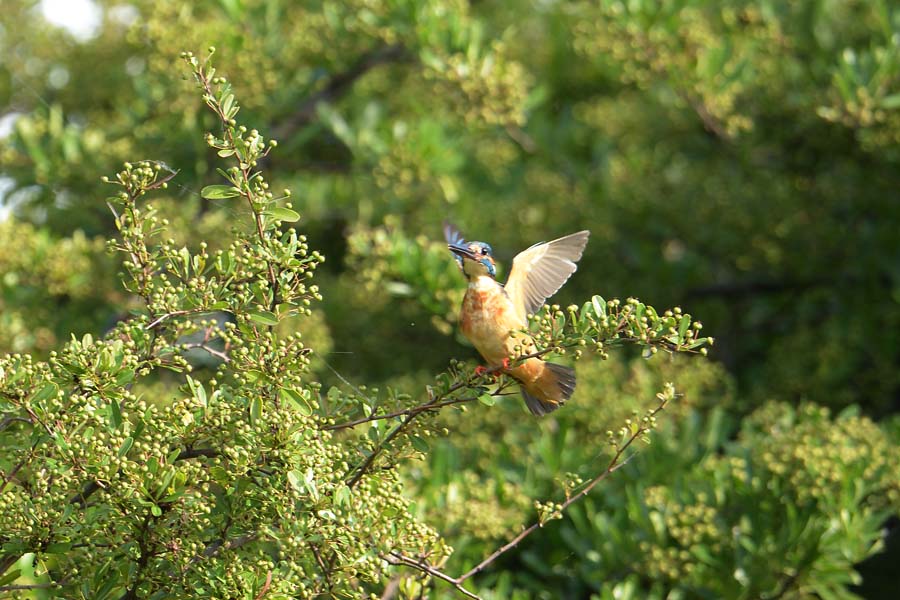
[738, 159]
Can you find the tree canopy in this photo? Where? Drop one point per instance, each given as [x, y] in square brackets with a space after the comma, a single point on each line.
[185, 411]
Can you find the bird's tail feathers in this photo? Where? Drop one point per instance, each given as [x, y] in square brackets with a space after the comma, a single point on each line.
[564, 379]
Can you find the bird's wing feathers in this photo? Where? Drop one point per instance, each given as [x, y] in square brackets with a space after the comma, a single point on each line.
[538, 272]
[452, 234]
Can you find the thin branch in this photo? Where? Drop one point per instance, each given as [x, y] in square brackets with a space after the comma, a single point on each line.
[342, 378]
[93, 487]
[26, 586]
[400, 413]
[391, 589]
[246, 189]
[433, 403]
[710, 123]
[212, 351]
[395, 558]
[9, 420]
[615, 463]
[415, 412]
[519, 136]
[325, 568]
[364, 467]
[86, 492]
[339, 85]
[176, 313]
[265, 587]
[214, 547]
[8, 476]
[197, 452]
[538, 524]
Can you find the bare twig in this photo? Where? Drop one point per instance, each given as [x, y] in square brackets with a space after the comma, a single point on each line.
[177, 313]
[433, 403]
[93, 487]
[411, 414]
[325, 568]
[395, 558]
[391, 589]
[196, 453]
[265, 587]
[8, 476]
[339, 85]
[214, 547]
[400, 413]
[26, 586]
[615, 463]
[9, 420]
[212, 351]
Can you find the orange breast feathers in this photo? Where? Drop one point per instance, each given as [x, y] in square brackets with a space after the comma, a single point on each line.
[487, 319]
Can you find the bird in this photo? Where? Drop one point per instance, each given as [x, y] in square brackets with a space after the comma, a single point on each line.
[494, 316]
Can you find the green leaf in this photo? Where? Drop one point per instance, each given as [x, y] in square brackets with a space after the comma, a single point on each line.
[264, 317]
[487, 399]
[254, 375]
[296, 400]
[342, 496]
[219, 192]
[891, 102]
[282, 214]
[255, 410]
[10, 577]
[418, 443]
[124, 376]
[45, 393]
[683, 325]
[219, 475]
[115, 414]
[126, 446]
[599, 306]
[227, 103]
[58, 548]
[172, 456]
[60, 441]
[155, 510]
[296, 480]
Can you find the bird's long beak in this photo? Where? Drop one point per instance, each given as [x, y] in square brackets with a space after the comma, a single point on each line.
[461, 251]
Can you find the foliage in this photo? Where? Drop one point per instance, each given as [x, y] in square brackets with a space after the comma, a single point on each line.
[738, 158]
[237, 486]
[50, 286]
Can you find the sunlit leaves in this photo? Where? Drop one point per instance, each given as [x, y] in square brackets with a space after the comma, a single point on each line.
[219, 192]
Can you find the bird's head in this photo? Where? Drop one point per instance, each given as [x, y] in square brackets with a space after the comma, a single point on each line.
[475, 258]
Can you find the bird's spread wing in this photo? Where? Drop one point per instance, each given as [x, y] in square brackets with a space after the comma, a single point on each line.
[538, 272]
[452, 234]
[454, 238]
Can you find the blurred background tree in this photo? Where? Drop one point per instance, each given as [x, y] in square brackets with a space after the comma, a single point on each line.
[737, 158]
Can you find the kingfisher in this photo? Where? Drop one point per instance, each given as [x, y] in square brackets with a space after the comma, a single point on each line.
[494, 316]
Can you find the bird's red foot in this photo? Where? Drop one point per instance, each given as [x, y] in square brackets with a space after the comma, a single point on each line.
[481, 369]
